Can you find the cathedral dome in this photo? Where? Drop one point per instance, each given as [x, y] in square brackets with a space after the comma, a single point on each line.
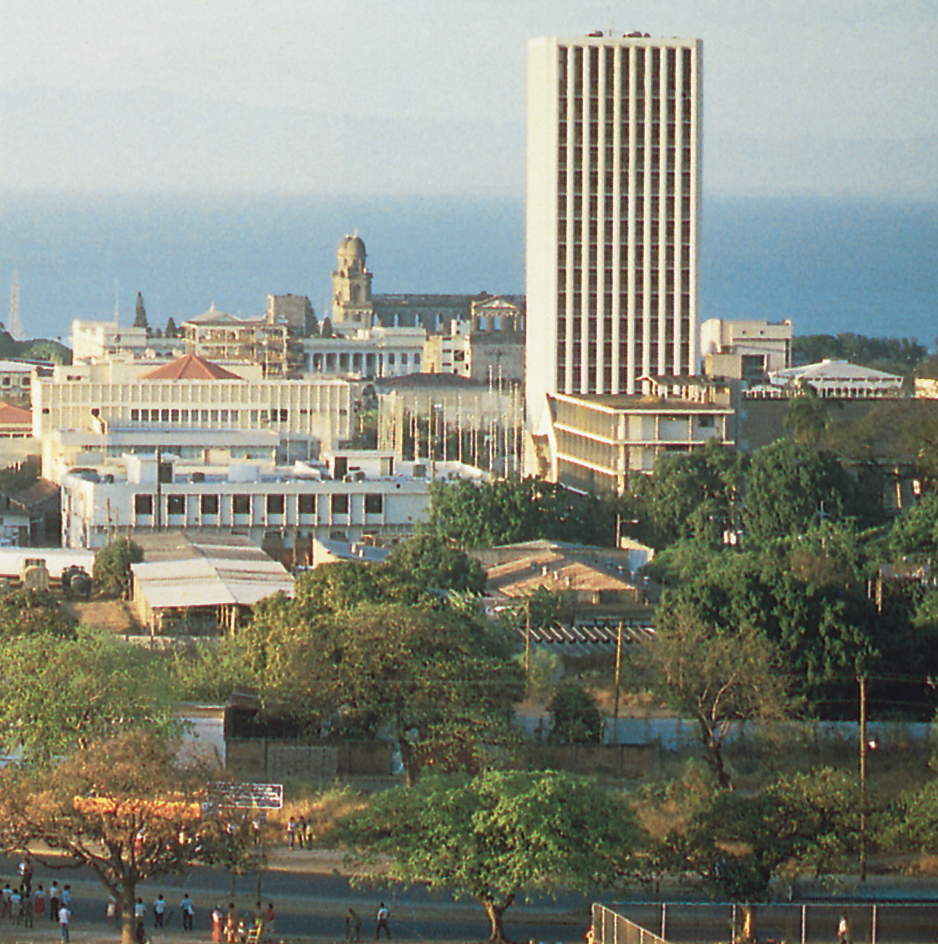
[352, 247]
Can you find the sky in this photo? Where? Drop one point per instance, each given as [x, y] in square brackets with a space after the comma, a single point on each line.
[409, 96]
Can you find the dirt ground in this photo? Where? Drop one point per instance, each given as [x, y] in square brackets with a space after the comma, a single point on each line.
[114, 615]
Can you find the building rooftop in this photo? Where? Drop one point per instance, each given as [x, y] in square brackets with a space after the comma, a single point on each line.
[190, 367]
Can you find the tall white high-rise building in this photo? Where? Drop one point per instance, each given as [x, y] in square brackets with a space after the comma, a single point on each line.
[613, 197]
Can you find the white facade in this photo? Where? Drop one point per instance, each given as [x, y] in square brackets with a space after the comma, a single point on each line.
[286, 505]
[367, 353]
[758, 347]
[833, 379]
[101, 404]
[613, 195]
[98, 340]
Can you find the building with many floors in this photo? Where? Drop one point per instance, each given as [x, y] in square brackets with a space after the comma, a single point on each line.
[613, 197]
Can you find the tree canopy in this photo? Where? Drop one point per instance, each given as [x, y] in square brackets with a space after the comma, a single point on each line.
[495, 836]
[430, 678]
[112, 566]
[124, 807]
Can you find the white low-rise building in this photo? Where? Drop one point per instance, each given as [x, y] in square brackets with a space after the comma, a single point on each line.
[366, 353]
[281, 508]
[830, 379]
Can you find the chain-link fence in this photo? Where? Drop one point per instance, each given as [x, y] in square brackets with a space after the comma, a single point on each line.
[807, 923]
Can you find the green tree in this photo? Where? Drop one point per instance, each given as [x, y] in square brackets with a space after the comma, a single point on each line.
[325, 328]
[494, 837]
[436, 679]
[112, 574]
[171, 330]
[575, 717]
[338, 586]
[123, 807]
[739, 841]
[57, 693]
[427, 562]
[790, 486]
[717, 676]
[694, 494]
[807, 418]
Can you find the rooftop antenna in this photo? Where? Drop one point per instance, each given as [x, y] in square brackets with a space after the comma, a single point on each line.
[611, 31]
[15, 324]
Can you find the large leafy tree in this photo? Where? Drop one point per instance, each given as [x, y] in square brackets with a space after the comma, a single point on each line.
[718, 675]
[123, 807]
[56, 694]
[428, 677]
[428, 563]
[26, 612]
[694, 494]
[477, 514]
[739, 841]
[495, 836]
[791, 486]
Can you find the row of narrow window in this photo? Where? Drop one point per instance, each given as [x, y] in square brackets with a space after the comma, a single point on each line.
[241, 504]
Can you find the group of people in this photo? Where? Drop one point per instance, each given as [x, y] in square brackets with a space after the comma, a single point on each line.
[299, 833]
[230, 928]
[21, 904]
[186, 907]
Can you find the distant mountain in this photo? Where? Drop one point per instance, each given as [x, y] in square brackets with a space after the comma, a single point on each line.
[150, 141]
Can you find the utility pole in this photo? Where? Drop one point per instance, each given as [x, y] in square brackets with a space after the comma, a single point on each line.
[861, 680]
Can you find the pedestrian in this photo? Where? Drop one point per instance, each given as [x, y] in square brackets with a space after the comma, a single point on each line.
[26, 872]
[140, 914]
[16, 900]
[64, 917]
[353, 926]
[54, 901]
[291, 831]
[110, 910]
[301, 832]
[39, 902]
[159, 908]
[67, 896]
[843, 930]
[231, 924]
[384, 913]
[269, 921]
[188, 912]
[218, 924]
[5, 897]
[28, 909]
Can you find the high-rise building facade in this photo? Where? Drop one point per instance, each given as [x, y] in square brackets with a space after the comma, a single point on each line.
[613, 196]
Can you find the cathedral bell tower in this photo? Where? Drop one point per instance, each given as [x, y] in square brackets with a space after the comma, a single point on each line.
[351, 286]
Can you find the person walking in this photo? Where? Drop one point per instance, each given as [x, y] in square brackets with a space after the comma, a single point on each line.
[39, 902]
[28, 908]
[291, 831]
[843, 930]
[159, 909]
[64, 918]
[188, 912]
[218, 925]
[381, 921]
[353, 926]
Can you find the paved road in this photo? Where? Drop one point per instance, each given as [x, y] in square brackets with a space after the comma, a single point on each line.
[315, 905]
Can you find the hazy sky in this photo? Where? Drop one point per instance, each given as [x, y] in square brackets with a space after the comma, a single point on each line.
[799, 94]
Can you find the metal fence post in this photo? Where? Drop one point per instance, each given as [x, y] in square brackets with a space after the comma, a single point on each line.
[664, 920]
[804, 924]
[873, 924]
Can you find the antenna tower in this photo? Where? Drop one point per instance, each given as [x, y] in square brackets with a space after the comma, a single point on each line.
[15, 324]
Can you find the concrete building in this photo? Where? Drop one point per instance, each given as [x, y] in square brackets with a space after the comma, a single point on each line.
[484, 349]
[15, 378]
[281, 508]
[744, 350]
[95, 410]
[271, 342]
[354, 305]
[366, 354]
[597, 443]
[830, 379]
[95, 341]
[613, 195]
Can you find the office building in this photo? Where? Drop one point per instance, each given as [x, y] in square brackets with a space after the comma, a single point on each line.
[613, 194]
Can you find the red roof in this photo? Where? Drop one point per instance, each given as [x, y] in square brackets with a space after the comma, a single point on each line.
[190, 367]
[14, 416]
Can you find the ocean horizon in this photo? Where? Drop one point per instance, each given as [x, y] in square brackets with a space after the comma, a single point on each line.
[827, 265]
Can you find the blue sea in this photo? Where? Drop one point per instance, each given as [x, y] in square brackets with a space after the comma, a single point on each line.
[827, 265]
